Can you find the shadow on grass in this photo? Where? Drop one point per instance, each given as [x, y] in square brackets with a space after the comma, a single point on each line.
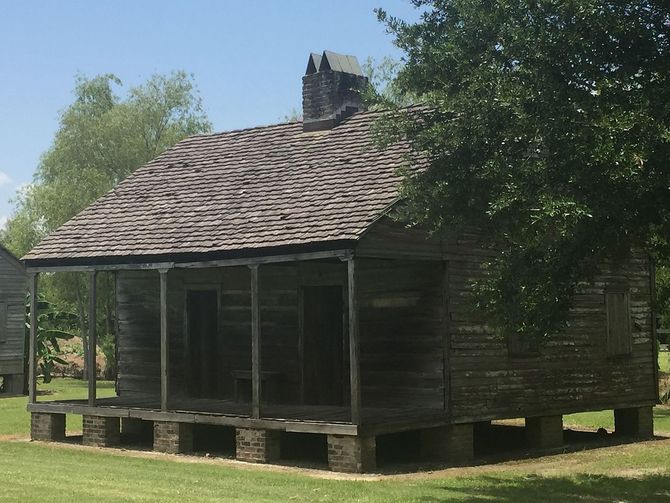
[592, 488]
[400, 453]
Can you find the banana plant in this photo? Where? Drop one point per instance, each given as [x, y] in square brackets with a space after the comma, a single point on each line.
[53, 325]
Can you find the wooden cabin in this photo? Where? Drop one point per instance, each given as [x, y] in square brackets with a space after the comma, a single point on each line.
[12, 324]
[262, 287]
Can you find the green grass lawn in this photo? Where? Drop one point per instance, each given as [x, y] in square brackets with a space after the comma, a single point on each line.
[56, 472]
[664, 361]
[605, 419]
[50, 473]
[14, 420]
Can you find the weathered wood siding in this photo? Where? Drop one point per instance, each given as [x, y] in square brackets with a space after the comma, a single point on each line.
[400, 314]
[12, 323]
[139, 328]
[401, 333]
[138, 313]
[572, 372]
[421, 343]
[278, 315]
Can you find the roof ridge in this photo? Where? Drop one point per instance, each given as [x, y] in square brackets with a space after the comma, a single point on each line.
[358, 114]
[239, 130]
[250, 188]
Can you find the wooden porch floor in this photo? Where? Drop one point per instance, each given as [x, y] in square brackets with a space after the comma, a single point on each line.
[308, 418]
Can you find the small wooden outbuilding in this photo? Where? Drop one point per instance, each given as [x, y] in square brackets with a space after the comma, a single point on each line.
[12, 324]
[262, 286]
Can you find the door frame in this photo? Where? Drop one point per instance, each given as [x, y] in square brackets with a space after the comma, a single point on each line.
[198, 287]
[302, 284]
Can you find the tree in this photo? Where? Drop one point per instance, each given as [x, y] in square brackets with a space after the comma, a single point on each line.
[293, 116]
[383, 91]
[102, 139]
[380, 94]
[546, 125]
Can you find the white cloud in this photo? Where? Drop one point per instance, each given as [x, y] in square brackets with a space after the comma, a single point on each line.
[3, 221]
[4, 179]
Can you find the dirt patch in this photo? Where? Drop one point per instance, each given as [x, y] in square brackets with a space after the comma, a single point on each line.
[664, 387]
[72, 353]
[640, 473]
[14, 438]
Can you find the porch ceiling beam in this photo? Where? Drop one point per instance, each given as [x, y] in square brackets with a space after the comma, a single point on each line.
[165, 343]
[32, 357]
[101, 267]
[255, 345]
[92, 339]
[269, 259]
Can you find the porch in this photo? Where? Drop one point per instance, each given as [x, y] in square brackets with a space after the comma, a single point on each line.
[269, 345]
[289, 418]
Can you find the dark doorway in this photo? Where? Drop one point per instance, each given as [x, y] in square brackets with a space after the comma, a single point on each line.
[323, 345]
[203, 365]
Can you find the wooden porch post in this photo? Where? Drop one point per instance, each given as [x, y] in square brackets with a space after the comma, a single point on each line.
[92, 338]
[165, 343]
[354, 361]
[255, 345]
[32, 355]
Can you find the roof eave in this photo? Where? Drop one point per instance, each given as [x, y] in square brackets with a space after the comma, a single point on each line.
[336, 247]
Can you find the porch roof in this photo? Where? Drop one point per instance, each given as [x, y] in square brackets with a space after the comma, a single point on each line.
[251, 191]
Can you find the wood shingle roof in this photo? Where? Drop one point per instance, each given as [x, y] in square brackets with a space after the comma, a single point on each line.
[252, 189]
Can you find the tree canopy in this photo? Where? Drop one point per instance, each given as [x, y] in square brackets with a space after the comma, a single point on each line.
[101, 139]
[383, 91]
[547, 126]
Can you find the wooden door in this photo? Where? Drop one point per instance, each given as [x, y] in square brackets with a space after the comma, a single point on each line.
[323, 336]
[204, 358]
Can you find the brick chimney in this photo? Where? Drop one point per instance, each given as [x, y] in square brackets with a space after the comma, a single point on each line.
[330, 90]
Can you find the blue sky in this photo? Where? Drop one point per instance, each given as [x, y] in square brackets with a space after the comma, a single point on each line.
[247, 58]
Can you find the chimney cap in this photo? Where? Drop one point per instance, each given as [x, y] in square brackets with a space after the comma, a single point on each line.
[313, 63]
[333, 61]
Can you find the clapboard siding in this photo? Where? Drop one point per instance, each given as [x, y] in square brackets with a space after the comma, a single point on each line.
[415, 314]
[401, 333]
[572, 371]
[12, 322]
[138, 312]
[139, 327]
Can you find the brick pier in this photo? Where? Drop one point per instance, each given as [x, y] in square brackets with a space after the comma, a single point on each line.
[635, 422]
[101, 431]
[353, 454]
[257, 446]
[453, 443]
[544, 432]
[173, 438]
[47, 427]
